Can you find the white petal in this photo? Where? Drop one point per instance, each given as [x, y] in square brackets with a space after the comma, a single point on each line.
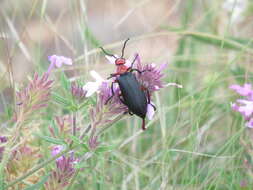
[91, 88]
[58, 62]
[174, 84]
[150, 111]
[67, 61]
[96, 76]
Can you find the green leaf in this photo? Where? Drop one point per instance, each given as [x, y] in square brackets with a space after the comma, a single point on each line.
[240, 73]
[89, 36]
[75, 139]
[220, 41]
[105, 148]
[60, 100]
[85, 147]
[39, 184]
[55, 128]
[51, 139]
[65, 81]
[80, 165]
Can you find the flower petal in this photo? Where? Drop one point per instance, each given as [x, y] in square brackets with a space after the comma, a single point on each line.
[246, 107]
[250, 123]
[244, 90]
[174, 84]
[150, 111]
[96, 76]
[66, 61]
[91, 88]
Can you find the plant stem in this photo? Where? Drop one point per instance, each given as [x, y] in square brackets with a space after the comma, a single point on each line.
[74, 123]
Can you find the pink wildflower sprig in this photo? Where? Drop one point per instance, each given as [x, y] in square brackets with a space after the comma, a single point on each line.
[64, 171]
[78, 92]
[151, 79]
[34, 97]
[244, 106]
[3, 140]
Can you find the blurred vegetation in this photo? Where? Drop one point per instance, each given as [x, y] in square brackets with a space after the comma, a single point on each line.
[195, 140]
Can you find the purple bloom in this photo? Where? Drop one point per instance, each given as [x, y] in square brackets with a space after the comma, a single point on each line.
[244, 106]
[58, 61]
[3, 139]
[56, 150]
[93, 142]
[107, 109]
[151, 78]
[244, 90]
[64, 169]
[78, 91]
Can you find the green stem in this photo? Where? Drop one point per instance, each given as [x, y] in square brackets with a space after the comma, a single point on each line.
[74, 123]
[206, 36]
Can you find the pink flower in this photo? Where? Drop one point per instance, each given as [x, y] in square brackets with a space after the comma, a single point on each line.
[244, 90]
[244, 106]
[56, 150]
[64, 171]
[249, 123]
[58, 61]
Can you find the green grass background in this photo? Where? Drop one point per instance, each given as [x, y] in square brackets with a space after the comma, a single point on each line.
[195, 140]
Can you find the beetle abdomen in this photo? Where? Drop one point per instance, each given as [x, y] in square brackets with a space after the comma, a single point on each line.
[134, 97]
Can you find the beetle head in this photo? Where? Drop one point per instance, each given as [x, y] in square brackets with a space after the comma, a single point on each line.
[120, 61]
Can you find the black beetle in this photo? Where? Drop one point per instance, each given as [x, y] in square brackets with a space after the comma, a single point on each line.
[135, 97]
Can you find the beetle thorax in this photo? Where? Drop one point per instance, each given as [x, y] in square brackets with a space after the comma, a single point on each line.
[120, 61]
[121, 69]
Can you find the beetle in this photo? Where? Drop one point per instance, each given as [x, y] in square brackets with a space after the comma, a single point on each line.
[133, 95]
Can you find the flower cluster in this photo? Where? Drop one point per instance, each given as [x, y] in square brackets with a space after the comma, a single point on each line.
[151, 78]
[22, 159]
[34, 96]
[64, 169]
[77, 91]
[3, 139]
[244, 106]
[58, 61]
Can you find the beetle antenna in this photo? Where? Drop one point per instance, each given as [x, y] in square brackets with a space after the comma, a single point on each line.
[123, 49]
[106, 53]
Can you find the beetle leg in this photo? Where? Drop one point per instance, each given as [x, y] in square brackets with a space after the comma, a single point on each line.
[149, 101]
[113, 75]
[122, 100]
[112, 93]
